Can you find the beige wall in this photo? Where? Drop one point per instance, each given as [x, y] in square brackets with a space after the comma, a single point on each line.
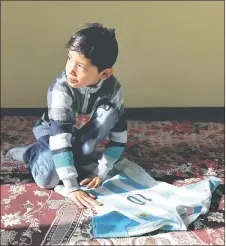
[171, 53]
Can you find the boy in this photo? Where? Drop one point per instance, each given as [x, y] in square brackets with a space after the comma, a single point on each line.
[85, 104]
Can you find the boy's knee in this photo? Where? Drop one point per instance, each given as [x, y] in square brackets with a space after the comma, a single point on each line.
[48, 182]
[44, 172]
[103, 121]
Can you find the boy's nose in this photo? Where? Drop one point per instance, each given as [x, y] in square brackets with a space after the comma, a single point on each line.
[72, 70]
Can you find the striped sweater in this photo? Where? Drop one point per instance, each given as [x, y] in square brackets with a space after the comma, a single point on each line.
[69, 109]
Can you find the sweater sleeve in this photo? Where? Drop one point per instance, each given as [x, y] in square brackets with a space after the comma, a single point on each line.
[61, 118]
[117, 137]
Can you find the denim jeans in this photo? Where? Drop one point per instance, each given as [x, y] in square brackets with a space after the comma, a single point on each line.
[39, 156]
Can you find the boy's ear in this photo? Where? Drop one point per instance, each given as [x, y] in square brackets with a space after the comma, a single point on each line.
[106, 73]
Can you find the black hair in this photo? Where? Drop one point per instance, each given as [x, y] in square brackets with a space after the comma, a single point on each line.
[96, 43]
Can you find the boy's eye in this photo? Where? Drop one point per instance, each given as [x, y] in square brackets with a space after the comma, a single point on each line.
[69, 58]
[81, 67]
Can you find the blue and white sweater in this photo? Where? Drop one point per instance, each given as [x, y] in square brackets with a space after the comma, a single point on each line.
[70, 109]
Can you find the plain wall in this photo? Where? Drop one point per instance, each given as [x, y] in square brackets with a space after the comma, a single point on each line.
[170, 53]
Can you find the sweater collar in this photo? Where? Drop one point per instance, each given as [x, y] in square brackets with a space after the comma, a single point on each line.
[92, 88]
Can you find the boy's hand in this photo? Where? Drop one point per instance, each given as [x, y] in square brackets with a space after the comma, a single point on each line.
[92, 181]
[83, 199]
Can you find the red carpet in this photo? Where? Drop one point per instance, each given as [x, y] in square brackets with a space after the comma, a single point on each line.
[176, 152]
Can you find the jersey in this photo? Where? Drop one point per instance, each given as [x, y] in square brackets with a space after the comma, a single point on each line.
[134, 203]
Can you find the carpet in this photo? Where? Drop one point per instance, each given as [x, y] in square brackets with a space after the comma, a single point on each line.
[178, 153]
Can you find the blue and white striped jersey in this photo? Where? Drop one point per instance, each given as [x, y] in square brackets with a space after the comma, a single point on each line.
[135, 204]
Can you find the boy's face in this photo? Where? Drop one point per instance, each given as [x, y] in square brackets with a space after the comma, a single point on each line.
[81, 72]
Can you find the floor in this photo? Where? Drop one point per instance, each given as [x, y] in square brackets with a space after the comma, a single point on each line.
[175, 152]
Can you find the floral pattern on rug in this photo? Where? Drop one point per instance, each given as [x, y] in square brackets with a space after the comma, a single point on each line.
[179, 153]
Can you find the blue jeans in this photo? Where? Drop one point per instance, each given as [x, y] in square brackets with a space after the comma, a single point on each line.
[39, 156]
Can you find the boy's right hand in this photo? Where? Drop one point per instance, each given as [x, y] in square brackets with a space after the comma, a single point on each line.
[84, 199]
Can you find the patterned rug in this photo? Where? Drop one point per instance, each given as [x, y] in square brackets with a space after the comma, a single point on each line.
[175, 152]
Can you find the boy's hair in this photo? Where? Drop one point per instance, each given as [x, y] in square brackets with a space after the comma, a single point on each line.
[97, 44]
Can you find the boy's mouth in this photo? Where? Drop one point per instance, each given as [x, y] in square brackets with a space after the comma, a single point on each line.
[72, 81]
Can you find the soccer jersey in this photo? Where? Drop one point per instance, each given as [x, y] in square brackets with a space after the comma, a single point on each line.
[134, 203]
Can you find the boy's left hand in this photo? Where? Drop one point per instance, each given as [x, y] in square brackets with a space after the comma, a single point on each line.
[93, 181]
